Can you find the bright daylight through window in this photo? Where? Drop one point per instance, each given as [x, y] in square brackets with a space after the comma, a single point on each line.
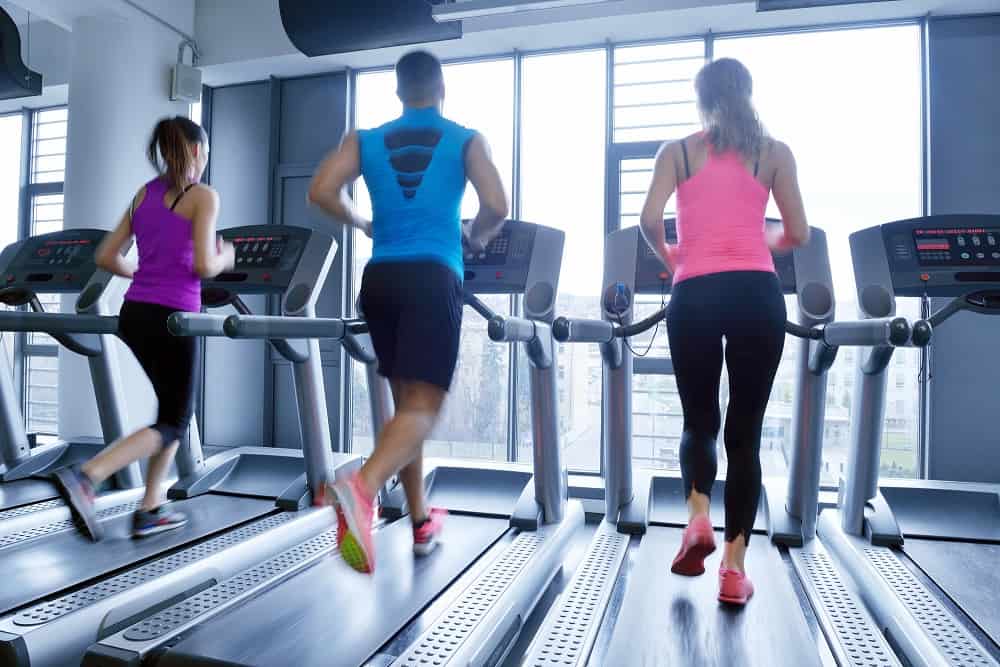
[836, 97]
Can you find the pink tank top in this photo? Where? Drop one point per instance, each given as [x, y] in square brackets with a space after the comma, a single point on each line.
[720, 220]
[166, 273]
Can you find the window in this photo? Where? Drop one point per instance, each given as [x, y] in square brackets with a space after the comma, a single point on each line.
[10, 186]
[45, 189]
[835, 97]
[563, 102]
[474, 423]
[654, 91]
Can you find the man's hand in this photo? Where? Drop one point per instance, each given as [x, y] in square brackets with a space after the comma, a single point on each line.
[473, 244]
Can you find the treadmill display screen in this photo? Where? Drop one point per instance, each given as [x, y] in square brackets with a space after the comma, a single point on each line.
[958, 246]
[61, 253]
[495, 254]
[262, 252]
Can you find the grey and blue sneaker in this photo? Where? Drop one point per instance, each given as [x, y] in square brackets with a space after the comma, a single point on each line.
[146, 523]
[78, 491]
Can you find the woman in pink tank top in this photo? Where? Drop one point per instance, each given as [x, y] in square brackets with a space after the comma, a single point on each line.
[172, 219]
[726, 303]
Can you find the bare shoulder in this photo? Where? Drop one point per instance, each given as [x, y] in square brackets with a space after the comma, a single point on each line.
[780, 152]
[203, 197]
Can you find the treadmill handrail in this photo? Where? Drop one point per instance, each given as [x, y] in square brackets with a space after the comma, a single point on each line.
[196, 324]
[582, 330]
[271, 326]
[58, 323]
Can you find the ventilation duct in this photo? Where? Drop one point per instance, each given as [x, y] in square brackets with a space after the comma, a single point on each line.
[16, 80]
[324, 27]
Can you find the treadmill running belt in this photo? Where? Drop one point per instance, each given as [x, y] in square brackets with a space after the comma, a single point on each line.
[331, 616]
[49, 565]
[667, 619]
[969, 573]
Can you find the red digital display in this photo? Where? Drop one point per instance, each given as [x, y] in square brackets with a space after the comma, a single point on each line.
[933, 245]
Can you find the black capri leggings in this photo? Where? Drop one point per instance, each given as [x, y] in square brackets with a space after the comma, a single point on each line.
[748, 310]
[170, 363]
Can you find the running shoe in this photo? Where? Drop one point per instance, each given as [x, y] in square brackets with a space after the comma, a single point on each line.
[78, 491]
[146, 523]
[427, 533]
[697, 543]
[735, 587]
[355, 511]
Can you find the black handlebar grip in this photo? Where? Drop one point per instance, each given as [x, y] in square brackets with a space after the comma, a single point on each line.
[899, 331]
[922, 333]
[560, 329]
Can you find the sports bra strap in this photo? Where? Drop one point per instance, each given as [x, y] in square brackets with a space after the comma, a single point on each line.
[756, 167]
[687, 165]
[181, 195]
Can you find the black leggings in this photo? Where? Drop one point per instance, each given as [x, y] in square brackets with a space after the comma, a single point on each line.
[748, 310]
[170, 363]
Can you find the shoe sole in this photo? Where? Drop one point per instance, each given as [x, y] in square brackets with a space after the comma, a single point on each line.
[351, 549]
[425, 548]
[736, 601]
[69, 488]
[157, 530]
[692, 564]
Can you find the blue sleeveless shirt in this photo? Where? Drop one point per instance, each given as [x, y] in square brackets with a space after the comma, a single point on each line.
[414, 168]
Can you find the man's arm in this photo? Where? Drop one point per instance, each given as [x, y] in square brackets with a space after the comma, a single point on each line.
[328, 189]
[493, 202]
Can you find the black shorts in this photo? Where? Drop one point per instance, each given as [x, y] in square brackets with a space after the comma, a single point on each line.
[414, 314]
[170, 362]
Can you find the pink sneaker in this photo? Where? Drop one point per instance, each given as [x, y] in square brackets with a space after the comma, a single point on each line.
[427, 534]
[735, 587]
[696, 544]
[355, 510]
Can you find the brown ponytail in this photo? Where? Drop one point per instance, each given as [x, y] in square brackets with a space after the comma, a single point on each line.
[173, 140]
[724, 89]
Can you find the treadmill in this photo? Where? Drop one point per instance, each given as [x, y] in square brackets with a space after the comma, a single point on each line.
[623, 606]
[466, 602]
[924, 553]
[70, 592]
[58, 263]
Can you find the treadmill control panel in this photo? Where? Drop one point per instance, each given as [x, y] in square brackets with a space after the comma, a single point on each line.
[266, 259]
[507, 264]
[652, 278]
[940, 255]
[61, 262]
[964, 246]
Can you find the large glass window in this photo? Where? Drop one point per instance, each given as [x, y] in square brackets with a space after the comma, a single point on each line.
[48, 165]
[474, 424]
[10, 189]
[848, 103]
[563, 127]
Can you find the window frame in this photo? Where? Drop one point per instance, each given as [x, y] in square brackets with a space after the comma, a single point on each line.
[614, 154]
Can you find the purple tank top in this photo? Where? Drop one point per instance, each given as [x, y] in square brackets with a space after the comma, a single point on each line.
[166, 273]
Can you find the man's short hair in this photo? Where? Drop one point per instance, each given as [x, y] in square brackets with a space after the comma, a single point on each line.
[419, 77]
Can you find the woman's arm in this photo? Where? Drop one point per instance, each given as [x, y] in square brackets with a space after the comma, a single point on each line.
[212, 255]
[794, 227]
[660, 190]
[109, 253]
[328, 189]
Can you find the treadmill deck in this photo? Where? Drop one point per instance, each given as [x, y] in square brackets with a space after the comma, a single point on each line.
[668, 619]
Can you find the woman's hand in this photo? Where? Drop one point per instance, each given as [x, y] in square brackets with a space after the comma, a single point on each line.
[666, 253]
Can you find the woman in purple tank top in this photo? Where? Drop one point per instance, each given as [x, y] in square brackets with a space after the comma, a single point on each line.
[726, 303]
[172, 219]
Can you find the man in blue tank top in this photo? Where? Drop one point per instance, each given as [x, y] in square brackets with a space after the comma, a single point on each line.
[416, 168]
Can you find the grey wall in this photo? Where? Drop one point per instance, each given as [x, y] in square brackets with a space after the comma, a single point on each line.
[235, 404]
[267, 139]
[964, 54]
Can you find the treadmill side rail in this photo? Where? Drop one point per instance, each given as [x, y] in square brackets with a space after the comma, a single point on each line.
[494, 607]
[581, 607]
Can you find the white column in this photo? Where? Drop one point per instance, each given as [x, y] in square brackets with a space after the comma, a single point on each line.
[119, 85]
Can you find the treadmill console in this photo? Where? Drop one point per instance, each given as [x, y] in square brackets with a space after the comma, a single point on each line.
[59, 262]
[940, 255]
[524, 258]
[651, 278]
[266, 259]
